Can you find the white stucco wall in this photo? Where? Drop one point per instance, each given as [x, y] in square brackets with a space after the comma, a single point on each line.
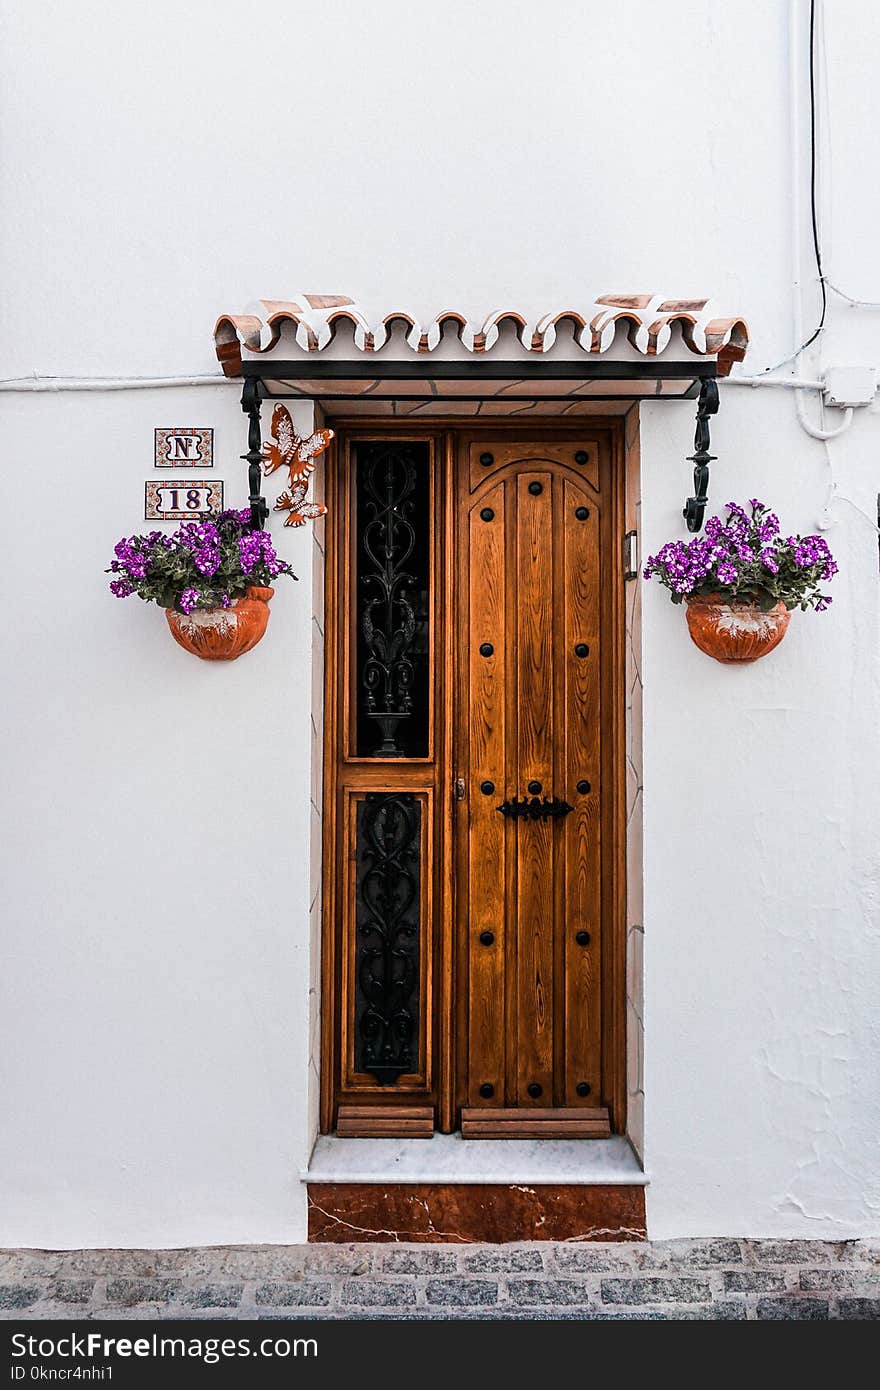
[163, 164]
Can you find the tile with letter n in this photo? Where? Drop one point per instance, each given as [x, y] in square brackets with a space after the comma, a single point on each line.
[184, 448]
[177, 500]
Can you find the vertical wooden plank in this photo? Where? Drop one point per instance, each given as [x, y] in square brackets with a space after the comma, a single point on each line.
[331, 798]
[508, 884]
[445, 879]
[581, 830]
[613, 463]
[487, 739]
[560, 788]
[534, 684]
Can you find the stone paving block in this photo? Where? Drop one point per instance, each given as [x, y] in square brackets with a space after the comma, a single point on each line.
[859, 1309]
[213, 1296]
[422, 1261]
[753, 1281]
[837, 1280]
[17, 1266]
[594, 1258]
[130, 1291]
[378, 1293]
[133, 1264]
[647, 1290]
[709, 1312]
[495, 1260]
[533, 1292]
[19, 1295]
[689, 1254]
[303, 1293]
[460, 1292]
[792, 1252]
[70, 1290]
[862, 1252]
[284, 1262]
[793, 1310]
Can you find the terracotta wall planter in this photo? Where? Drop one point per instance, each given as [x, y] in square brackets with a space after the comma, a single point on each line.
[735, 632]
[222, 634]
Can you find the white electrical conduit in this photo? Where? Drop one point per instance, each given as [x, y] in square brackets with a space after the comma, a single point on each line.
[107, 383]
[814, 430]
[795, 32]
[794, 383]
[144, 383]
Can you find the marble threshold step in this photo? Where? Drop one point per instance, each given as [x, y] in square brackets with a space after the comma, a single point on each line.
[447, 1158]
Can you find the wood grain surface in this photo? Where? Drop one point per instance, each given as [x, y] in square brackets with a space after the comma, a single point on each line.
[525, 557]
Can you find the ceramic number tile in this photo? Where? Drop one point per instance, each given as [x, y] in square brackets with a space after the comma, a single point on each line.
[184, 448]
[183, 499]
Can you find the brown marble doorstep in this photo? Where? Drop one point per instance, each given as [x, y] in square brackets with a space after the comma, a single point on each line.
[462, 1213]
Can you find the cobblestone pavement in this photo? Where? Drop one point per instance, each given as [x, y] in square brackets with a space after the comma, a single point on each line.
[685, 1279]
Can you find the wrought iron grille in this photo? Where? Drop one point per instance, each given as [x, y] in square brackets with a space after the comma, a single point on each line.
[387, 919]
[393, 535]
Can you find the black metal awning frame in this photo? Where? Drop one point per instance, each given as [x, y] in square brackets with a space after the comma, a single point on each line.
[702, 378]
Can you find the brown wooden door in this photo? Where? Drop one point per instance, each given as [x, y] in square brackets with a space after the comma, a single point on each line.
[472, 969]
[530, 658]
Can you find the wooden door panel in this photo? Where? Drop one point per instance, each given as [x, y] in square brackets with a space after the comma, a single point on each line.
[489, 458]
[530, 616]
[487, 587]
[534, 721]
[580, 763]
[520, 527]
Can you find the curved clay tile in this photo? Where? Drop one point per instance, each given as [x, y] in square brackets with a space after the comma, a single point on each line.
[490, 332]
[603, 329]
[544, 335]
[649, 321]
[413, 328]
[432, 336]
[362, 333]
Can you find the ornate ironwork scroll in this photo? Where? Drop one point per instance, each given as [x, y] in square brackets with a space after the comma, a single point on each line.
[387, 481]
[250, 404]
[695, 507]
[387, 919]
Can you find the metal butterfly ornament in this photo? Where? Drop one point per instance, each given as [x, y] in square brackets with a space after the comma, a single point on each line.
[299, 456]
[288, 450]
[300, 510]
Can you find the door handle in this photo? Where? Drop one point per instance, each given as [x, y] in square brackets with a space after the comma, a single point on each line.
[535, 808]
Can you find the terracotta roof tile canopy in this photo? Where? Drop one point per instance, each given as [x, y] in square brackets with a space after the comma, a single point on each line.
[650, 322]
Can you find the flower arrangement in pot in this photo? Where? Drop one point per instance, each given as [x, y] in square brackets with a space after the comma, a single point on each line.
[212, 577]
[741, 581]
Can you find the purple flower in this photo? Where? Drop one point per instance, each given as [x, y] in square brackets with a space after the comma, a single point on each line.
[139, 566]
[249, 551]
[739, 554]
[206, 561]
[768, 560]
[199, 561]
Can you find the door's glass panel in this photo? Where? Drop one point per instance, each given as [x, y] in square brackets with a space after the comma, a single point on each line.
[392, 541]
[387, 922]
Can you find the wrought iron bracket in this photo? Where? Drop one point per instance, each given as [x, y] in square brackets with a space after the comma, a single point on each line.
[535, 808]
[250, 404]
[695, 507]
